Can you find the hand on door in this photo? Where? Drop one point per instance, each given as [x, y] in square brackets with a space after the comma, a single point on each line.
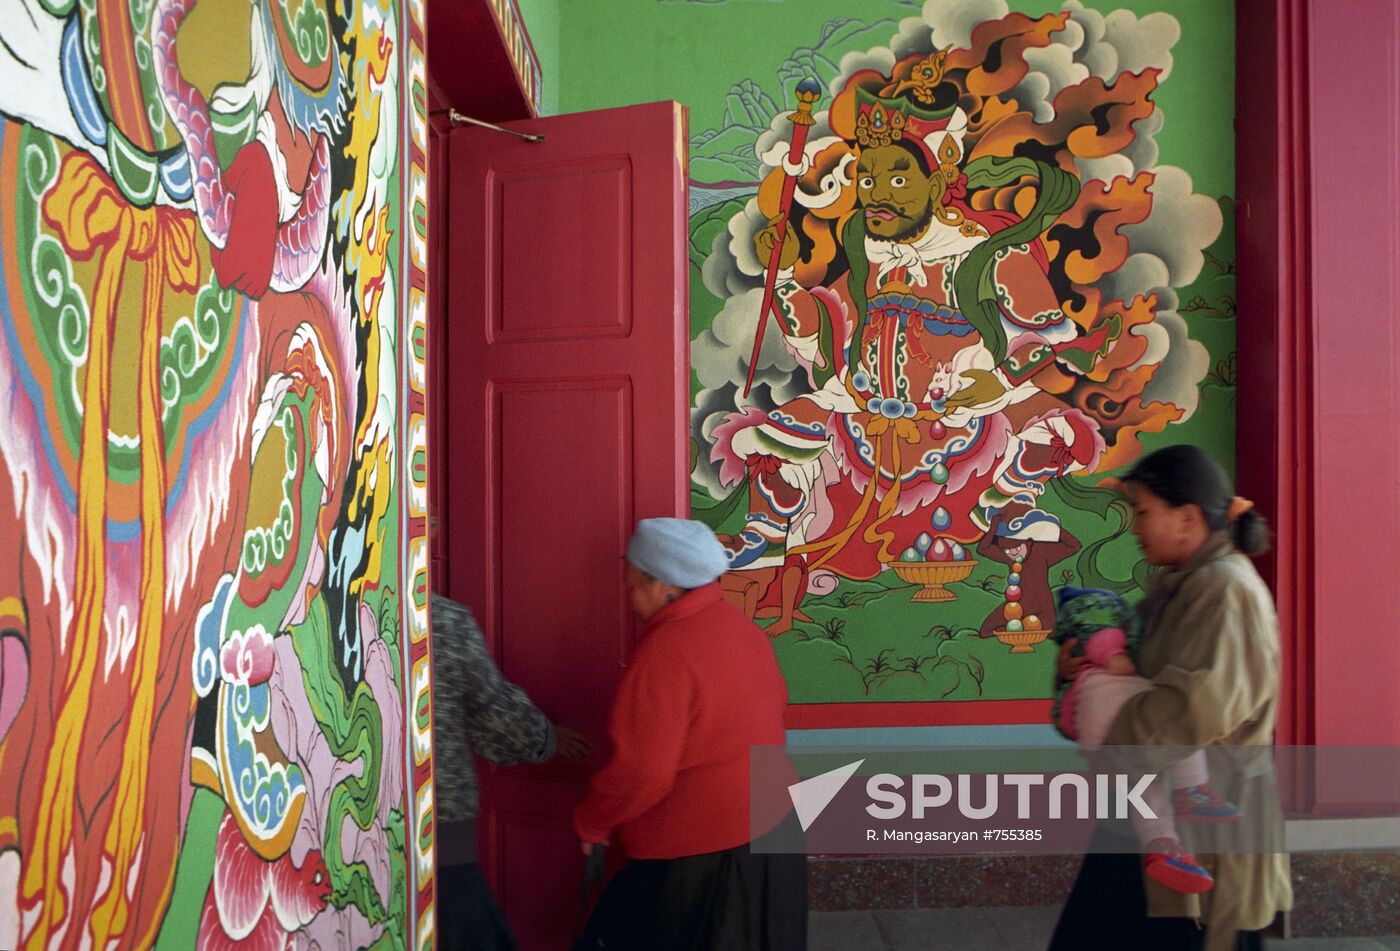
[572, 744]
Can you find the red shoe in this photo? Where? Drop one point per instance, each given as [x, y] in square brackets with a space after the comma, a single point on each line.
[1168, 864]
[1203, 804]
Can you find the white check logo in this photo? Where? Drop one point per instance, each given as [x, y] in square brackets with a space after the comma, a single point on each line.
[811, 796]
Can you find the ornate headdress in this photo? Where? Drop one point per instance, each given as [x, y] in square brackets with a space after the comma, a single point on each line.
[913, 106]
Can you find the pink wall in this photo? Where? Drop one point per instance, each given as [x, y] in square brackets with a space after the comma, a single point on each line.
[1355, 177]
[1319, 330]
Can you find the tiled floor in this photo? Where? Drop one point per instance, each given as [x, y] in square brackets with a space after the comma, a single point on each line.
[999, 929]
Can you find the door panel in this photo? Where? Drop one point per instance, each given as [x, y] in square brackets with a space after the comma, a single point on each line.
[543, 532]
[596, 254]
[535, 894]
[565, 397]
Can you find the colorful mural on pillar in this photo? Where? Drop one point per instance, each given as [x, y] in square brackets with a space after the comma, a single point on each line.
[213, 663]
[946, 289]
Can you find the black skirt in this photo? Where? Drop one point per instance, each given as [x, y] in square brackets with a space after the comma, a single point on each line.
[1107, 910]
[468, 917]
[734, 899]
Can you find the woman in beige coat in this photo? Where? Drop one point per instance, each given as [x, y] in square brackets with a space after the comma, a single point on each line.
[1210, 647]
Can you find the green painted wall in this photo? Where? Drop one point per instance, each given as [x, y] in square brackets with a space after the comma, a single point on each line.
[604, 53]
[542, 20]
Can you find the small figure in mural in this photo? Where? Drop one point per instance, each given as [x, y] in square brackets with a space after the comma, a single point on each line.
[1030, 542]
[1103, 626]
[477, 712]
[929, 350]
[702, 688]
[769, 592]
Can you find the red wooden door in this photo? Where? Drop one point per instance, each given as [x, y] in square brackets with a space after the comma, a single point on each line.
[565, 396]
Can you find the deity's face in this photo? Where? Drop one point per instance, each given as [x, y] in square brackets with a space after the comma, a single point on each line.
[897, 195]
[1014, 550]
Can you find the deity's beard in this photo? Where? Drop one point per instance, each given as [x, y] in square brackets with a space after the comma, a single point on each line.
[914, 231]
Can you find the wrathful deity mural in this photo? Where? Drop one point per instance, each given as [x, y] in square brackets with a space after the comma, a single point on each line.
[948, 290]
[214, 724]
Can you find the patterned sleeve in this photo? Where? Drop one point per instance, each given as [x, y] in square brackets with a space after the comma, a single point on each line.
[803, 312]
[1025, 296]
[500, 722]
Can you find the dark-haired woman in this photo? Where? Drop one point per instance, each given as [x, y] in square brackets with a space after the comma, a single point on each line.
[1210, 648]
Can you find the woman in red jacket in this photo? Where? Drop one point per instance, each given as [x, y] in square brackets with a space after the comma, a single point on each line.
[702, 687]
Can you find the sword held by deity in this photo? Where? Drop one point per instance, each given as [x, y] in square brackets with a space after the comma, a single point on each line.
[808, 91]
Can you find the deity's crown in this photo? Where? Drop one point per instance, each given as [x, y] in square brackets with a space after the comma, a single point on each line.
[912, 108]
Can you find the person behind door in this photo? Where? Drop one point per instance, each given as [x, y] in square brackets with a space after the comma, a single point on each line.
[476, 711]
[702, 687]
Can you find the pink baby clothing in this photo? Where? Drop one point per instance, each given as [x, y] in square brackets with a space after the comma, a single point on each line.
[1099, 648]
[1091, 705]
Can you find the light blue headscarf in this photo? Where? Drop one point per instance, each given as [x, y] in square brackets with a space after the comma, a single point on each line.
[678, 551]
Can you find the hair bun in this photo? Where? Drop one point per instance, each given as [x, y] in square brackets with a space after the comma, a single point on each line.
[1250, 532]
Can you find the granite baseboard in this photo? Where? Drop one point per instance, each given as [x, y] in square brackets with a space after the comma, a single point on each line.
[1335, 894]
[1342, 894]
[842, 884]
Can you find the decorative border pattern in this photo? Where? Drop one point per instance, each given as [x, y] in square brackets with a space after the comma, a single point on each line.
[522, 52]
[413, 476]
